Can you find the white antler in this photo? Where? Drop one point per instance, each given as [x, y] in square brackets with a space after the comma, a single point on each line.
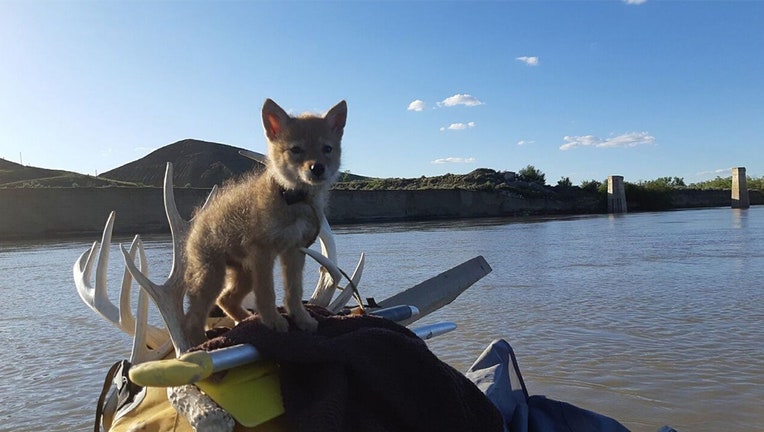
[141, 352]
[329, 274]
[97, 297]
[350, 288]
[328, 277]
[168, 297]
[200, 411]
[334, 275]
[257, 157]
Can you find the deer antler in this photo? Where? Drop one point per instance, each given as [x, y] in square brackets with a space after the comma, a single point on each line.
[327, 277]
[331, 274]
[200, 411]
[140, 351]
[97, 297]
[349, 289]
[168, 296]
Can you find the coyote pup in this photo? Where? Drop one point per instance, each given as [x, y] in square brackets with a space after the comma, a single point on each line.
[233, 243]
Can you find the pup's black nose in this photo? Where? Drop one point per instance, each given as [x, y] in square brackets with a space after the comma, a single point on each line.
[317, 169]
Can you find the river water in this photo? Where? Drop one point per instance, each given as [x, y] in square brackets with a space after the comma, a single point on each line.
[651, 318]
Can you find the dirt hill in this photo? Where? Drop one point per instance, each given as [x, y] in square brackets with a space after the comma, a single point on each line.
[198, 164]
[11, 172]
[195, 164]
[13, 175]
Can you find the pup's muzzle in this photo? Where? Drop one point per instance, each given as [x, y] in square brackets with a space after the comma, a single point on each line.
[317, 170]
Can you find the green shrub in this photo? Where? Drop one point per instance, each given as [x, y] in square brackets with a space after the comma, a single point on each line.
[532, 175]
[649, 196]
[726, 183]
[591, 185]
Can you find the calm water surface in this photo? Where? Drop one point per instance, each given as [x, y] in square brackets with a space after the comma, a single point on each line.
[652, 318]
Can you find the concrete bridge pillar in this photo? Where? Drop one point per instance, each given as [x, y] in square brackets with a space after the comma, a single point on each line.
[616, 195]
[739, 189]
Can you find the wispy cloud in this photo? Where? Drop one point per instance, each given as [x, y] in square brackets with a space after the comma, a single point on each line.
[727, 171]
[468, 160]
[634, 2]
[524, 142]
[458, 126]
[631, 139]
[460, 99]
[417, 105]
[530, 61]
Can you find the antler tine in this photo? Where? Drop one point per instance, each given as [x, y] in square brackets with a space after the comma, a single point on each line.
[349, 289]
[168, 296]
[95, 297]
[334, 272]
[210, 196]
[149, 342]
[141, 350]
[124, 293]
[257, 157]
[327, 282]
[178, 226]
[200, 411]
[155, 337]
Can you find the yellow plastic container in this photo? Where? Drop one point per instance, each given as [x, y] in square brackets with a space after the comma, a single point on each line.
[250, 393]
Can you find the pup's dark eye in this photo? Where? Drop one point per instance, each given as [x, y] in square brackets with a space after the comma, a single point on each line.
[295, 150]
[327, 149]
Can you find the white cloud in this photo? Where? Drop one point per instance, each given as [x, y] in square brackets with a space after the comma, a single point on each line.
[524, 142]
[634, 2]
[726, 171]
[458, 126]
[460, 99]
[468, 160]
[631, 139]
[417, 105]
[530, 61]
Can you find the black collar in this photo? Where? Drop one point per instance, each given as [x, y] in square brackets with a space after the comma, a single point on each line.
[292, 196]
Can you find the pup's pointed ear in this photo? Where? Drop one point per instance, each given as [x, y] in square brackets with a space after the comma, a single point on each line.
[337, 116]
[274, 118]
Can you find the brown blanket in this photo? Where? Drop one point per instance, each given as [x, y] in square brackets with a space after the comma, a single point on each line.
[363, 373]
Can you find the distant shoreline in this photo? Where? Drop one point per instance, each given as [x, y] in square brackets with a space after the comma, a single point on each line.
[48, 213]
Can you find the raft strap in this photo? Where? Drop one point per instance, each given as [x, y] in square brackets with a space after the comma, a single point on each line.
[126, 390]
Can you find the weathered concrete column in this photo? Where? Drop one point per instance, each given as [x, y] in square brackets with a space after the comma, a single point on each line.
[616, 195]
[739, 188]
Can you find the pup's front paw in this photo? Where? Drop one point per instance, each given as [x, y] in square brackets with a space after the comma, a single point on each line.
[305, 322]
[277, 323]
[193, 330]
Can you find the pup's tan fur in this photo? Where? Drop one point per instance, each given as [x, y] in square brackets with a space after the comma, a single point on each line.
[234, 241]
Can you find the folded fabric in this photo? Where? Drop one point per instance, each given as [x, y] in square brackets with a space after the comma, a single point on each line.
[364, 373]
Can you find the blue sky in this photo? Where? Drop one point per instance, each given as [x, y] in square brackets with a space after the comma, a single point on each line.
[584, 90]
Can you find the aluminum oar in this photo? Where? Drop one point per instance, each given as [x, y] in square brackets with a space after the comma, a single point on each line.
[195, 366]
[396, 313]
